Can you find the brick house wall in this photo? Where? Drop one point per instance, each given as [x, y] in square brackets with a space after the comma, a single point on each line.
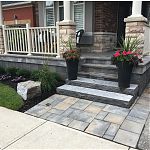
[25, 14]
[105, 27]
[106, 16]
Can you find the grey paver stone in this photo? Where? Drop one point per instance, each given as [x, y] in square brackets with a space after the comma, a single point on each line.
[82, 116]
[142, 108]
[93, 109]
[63, 120]
[112, 130]
[101, 115]
[38, 110]
[102, 105]
[53, 99]
[56, 111]
[62, 106]
[53, 117]
[114, 118]
[108, 137]
[97, 127]
[71, 100]
[127, 138]
[144, 101]
[138, 120]
[116, 110]
[144, 141]
[138, 114]
[67, 112]
[46, 115]
[132, 126]
[80, 125]
[81, 104]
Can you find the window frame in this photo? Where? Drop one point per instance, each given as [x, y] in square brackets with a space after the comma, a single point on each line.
[45, 18]
[83, 3]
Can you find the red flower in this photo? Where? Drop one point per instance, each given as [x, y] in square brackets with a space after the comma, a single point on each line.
[129, 52]
[117, 53]
[124, 53]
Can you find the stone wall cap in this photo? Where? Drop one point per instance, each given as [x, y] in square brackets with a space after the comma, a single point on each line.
[135, 19]
[67, 23]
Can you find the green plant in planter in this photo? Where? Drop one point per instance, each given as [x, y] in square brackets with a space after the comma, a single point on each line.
[125, 58]
[72, 57]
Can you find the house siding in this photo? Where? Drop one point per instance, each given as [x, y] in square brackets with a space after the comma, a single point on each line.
[25, 14]
[106, 16]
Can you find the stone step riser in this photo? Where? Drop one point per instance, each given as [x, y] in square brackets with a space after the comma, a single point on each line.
[98, 70]
[98, 77]
[98, 61]
[95, 98]
[103, 87]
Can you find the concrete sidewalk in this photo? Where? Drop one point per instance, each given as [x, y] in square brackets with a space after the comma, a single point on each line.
[21, 131]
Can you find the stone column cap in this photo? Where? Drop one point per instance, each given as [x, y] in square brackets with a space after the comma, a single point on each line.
[135, 19]
[66, 23]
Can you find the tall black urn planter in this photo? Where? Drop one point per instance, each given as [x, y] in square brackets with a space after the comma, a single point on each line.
[124, 74]
[72, 68]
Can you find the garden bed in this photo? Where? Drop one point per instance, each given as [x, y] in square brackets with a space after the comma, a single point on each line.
[47, 89]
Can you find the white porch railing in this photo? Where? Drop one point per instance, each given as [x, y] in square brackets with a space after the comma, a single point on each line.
[31, 40]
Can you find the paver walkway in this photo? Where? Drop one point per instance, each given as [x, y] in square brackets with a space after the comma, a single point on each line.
[22, 131]
[117, 124]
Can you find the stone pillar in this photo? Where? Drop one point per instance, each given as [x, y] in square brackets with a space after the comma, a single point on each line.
[136, 25]
[1, 41]
[66, 30]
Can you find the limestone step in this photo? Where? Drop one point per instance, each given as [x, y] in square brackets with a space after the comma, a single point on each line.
[106, 97]
[94, 75]
[104, 85]
[97, 60]
[99, 68]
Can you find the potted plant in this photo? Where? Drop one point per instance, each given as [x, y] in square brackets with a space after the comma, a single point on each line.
[125, 58]
[72, 57]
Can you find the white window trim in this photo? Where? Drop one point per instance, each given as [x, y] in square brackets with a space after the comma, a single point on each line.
[83, 3]
[45, 7]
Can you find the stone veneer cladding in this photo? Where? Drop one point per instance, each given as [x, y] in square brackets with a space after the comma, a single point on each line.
[1, 41]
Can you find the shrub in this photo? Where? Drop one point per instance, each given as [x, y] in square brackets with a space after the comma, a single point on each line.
[48, 79]
[2, 70]
[11, 71]
[23, 72]
[35, 75]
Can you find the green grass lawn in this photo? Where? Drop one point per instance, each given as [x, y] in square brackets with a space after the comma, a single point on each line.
[9, 97]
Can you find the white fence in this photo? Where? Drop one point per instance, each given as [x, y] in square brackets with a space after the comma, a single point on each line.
[30, 40]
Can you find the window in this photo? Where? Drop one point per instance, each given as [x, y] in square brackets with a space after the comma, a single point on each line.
[61, 11]
[79, 14]
[50, 19]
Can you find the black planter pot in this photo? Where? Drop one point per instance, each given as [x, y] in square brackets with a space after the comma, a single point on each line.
[72, 69]
[124, 74]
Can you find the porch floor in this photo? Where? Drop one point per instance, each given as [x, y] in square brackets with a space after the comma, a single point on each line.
[121, 125]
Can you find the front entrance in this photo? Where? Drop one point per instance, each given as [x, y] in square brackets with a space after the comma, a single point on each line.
[123, 12]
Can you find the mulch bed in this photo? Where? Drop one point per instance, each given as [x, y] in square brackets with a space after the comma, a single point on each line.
[32, 102]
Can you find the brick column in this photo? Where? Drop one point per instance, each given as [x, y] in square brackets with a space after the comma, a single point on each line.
[1, 41]
[66, 30]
